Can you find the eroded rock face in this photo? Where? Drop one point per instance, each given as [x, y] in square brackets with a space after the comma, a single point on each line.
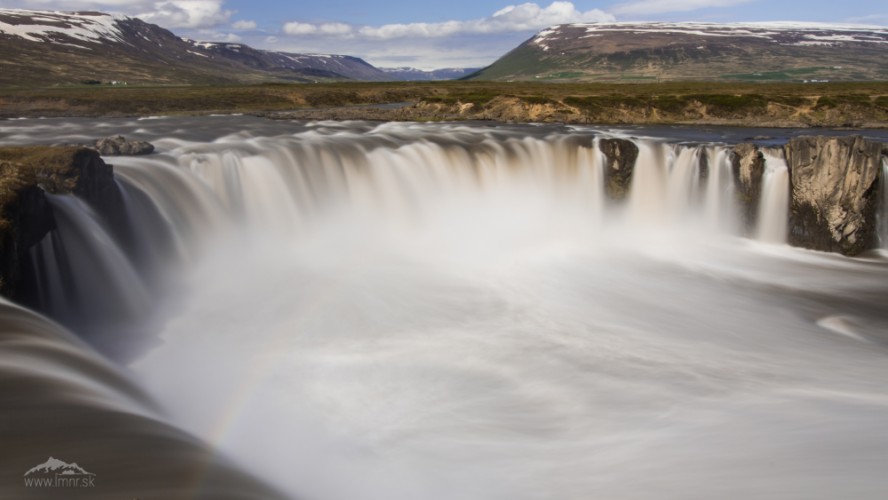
[748, 167]
[620, 156]
[834, 192]
[117, 145]
[27, 216]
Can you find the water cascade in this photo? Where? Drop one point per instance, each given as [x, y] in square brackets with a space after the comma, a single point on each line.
[774, 205]
[883, 213]
[383, 311]
[719, 208]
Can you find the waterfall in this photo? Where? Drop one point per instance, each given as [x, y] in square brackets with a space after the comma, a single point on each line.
[647, 196]
[719, 207]
[773, 218]
[86, 258]
[62, 399]
[682, 184]
[883, 212]
[358, 310]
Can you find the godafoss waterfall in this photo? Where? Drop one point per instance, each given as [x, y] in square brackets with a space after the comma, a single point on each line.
[437, 311]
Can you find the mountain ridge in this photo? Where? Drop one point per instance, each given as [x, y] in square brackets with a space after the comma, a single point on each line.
[656, 51]
[43, 47]
[54, 47]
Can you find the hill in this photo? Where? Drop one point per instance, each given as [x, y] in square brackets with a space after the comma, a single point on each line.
[47, 48]
[789, 52]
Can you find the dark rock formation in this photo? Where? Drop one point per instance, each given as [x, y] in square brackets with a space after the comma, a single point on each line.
[748, 167]
[620, 156]
[25, 222]
[834, 193]
[117, 145]
[26, 216]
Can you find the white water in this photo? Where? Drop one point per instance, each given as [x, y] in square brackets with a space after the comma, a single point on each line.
[773, 215]
[452, 322]
[883, 213]
[719, 207]
[437, 312]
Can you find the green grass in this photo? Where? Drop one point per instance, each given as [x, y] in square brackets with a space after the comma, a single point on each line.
[47, 167]
[782, 75]
[564, 75]
[731, 103]
[835, 101]
[670, 99]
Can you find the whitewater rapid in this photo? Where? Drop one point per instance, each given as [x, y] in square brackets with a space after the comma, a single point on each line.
[379, 311]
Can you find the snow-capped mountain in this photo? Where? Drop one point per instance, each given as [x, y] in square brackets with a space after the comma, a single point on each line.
[56, 466]
[414, 74]
[317, 65]
[41, 47]
[59, 27]
[746, 51]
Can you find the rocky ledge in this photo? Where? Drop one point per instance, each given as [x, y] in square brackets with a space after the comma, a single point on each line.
[835, 186]
[834, 190]
[115, 145]
[27, 174]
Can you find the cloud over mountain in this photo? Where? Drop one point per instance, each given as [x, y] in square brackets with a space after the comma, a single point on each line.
[168, 13]
[649, 7]
[512, 18]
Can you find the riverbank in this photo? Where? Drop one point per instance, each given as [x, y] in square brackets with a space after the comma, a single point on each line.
[852, 105]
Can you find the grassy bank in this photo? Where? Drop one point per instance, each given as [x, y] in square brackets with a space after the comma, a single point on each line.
[778, 104]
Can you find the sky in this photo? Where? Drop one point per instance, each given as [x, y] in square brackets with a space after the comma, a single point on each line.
[456, 33]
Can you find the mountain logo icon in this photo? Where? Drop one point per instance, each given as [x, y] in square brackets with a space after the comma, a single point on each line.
[55, 473]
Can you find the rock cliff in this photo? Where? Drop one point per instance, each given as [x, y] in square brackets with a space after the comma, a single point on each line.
[834, 193]
[27, 174]
[620, 156]
[748, 168]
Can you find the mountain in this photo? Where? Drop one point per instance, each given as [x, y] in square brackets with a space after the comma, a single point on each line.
[316, 65]
[45, 48]
[697, 51]
[56, 466]
[414, 74]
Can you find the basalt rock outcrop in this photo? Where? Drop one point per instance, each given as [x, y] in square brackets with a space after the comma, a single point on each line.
[748, 167]
[117, 145]
[835, 191]
[620, 156]
[27, 175]
[114, 145]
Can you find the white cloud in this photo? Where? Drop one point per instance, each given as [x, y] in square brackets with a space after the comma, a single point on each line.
[335, 29]
[297, 28]
[187, 13]
[872, 19]
[244, 25]
[514, 18]
[167, 13]
[650, 7]
[217, 36]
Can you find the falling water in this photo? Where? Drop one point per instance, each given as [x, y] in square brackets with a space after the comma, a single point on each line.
[684, 177]
[448, 311]
[883, 212]
[719, 205]
[774, 204]
[60, 399]
[648, 192]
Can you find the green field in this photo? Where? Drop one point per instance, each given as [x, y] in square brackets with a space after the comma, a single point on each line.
[642, 102]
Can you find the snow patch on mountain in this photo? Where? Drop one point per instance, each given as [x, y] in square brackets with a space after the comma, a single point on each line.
[799, 33]
[37, 26]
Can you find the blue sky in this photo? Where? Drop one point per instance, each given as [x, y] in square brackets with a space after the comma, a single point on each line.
[456, 33]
